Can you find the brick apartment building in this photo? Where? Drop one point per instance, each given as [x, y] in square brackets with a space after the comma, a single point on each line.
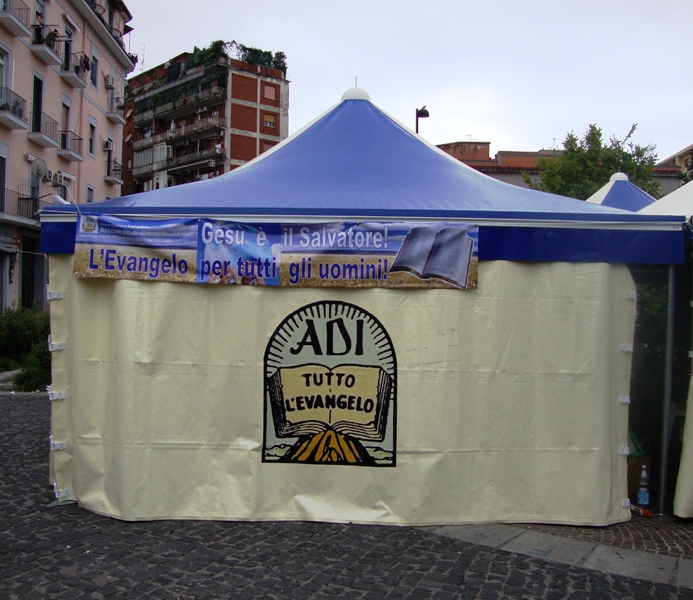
[63, 65]
[188, 121]
[508, 166]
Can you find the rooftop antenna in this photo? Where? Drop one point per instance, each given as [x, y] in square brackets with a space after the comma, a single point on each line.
[142, 63]
[356, 81]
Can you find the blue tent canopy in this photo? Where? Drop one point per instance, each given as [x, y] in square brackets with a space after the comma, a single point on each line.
[356, 162]
[621, 193]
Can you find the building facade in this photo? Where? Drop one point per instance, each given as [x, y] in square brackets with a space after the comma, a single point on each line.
[509, 165]
[682, 161]
[189, 120]
[63, 65]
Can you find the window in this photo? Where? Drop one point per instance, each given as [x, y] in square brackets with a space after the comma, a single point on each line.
[268, 120]
[65, 132]
[3, 61]
[94, 71]
[37, 106]
[90, 194]
[270, 92]
[67, 49]
[92, 138]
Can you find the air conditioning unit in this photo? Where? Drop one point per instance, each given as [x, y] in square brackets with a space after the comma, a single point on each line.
[110, 82]
[48, 176]
[58, 178]
[108, 146]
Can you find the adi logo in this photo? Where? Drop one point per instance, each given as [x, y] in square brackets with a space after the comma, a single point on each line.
[330, 388]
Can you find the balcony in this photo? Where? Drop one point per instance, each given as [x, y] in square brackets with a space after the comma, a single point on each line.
[44, 130]
[145, 116]
[13, 114]
[74, 69]
[195, 131]
[114, 172]
[114, 112]
[187, 104]
[45, 44]
[211, 156]
[14, 16]
[99, 8]
[71, 146]
[19, 205]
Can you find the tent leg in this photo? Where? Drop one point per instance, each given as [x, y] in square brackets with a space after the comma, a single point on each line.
[666, 405]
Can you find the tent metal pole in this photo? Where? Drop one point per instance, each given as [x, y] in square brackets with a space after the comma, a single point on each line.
[668, 370]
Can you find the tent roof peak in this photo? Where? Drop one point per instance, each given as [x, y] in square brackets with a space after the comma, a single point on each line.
[356, 93]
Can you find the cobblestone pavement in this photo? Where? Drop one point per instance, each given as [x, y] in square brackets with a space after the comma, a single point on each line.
[664, 535]
[71, 553]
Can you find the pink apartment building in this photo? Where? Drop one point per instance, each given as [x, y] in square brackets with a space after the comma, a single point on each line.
[63, 65]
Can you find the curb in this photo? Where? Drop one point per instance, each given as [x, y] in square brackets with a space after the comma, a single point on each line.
[578, 553]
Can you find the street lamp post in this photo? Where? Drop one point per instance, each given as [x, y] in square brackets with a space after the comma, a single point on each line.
[421, 113]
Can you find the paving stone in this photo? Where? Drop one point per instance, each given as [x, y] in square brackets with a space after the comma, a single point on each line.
[642, 565]
[70, 553]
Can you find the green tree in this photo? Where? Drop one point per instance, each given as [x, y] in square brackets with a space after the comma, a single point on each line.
[586, 164]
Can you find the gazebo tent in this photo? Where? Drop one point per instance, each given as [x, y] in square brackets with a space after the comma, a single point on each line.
[679, 201]
[619, 192]
[505, 402]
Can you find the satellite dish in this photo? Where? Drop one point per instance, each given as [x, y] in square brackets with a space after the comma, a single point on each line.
[39, 168]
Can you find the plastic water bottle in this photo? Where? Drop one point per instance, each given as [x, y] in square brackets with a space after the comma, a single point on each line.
[644, 488]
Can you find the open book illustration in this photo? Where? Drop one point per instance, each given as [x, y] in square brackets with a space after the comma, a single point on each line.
[427, 252]
[349, 399]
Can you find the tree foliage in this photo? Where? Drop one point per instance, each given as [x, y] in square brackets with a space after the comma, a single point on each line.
[255, 56]
[219, 49]
[210, 55]
[586, 164]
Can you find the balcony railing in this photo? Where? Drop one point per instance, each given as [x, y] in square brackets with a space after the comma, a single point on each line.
[186, 159]
[13, 113]
[14, 15]
[114, 172]
[44, 130]
[74, 69]
[191, 102]
[198, 127]
[71, 146]
[115, 110]
[211, 154]
[17, 204]
[143, 117]
[99, 8]
[45, 43]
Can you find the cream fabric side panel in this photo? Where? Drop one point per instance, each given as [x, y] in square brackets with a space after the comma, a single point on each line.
[61, 461]
[683, 499]
[507, 403]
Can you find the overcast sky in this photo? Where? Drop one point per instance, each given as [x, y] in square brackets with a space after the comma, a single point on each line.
[518, 74]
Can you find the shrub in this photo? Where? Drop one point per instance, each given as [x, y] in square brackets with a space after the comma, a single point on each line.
[36, 374]
[20, 329]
